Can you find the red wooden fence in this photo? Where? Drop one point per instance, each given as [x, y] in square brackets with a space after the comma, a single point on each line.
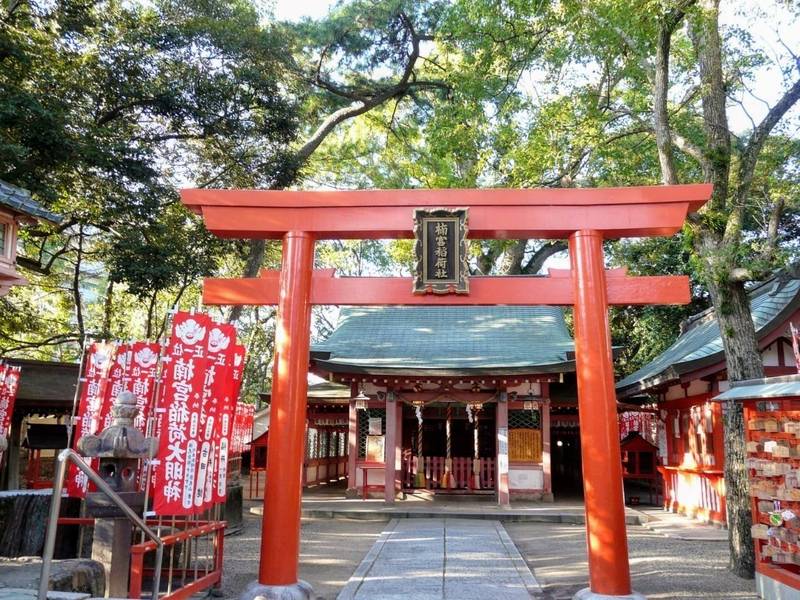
[464, 477]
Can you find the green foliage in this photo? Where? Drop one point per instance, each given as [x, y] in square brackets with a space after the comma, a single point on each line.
[105, 108]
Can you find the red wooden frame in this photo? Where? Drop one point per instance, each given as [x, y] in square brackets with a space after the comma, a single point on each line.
[585, 216]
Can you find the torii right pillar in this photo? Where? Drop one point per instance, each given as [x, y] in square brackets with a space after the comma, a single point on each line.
[606, 538]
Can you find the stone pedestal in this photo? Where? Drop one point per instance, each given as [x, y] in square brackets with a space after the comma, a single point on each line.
[111, 547]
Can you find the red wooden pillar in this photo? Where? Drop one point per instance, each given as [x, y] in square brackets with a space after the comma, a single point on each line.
[390, 449]
[352, 448]
[280, 538]
[502, 450]
[546, 462]
[609, 572]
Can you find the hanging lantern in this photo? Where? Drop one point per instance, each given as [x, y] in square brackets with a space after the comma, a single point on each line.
[361, 400]
[530, 405]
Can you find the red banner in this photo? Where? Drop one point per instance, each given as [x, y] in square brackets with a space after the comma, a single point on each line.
[116, 383]
[242, 427]
[216, 394]
[225, 424]
[9, 384]
[99, 360]
[141, 377]
[180, 408]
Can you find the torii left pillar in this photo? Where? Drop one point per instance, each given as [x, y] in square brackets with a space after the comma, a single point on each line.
[280, 535]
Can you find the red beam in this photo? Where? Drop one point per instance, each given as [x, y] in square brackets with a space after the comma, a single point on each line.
[695, 194]
[485, 222]
[520, 291]
[494, 213]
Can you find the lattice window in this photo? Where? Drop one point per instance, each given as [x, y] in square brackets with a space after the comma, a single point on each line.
[524, 419]
[363, 427]
[332, 444]
[311, 444]
[342, 444]
[323, 443]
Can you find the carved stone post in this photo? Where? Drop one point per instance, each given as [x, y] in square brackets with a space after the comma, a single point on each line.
[119, 448]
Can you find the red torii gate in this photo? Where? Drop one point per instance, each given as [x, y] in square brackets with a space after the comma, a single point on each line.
[585, 216]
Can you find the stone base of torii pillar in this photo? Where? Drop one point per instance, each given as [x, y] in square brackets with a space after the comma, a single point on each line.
[588, 594]
[258, 591]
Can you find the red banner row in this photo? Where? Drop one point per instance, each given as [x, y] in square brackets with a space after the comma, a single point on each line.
[195, 411]
[9, 384]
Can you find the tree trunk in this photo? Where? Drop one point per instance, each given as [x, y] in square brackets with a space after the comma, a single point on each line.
[743, 362]
[76, 288]
[660, 113]
[108, 309]
[255, 258]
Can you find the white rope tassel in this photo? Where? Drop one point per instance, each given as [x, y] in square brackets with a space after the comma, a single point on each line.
[418, 410]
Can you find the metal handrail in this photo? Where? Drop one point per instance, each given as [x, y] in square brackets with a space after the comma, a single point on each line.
[64, 457]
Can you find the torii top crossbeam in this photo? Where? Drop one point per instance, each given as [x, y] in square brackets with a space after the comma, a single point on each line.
[552, 213]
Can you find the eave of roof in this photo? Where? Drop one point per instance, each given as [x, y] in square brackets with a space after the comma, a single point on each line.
[19, 200]
[769, 387]
[772, 303]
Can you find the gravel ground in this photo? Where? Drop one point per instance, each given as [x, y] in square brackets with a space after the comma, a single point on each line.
[331, 550]
[662, 568]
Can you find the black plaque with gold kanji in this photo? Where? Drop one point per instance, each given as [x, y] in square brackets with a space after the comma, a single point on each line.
[441, 251]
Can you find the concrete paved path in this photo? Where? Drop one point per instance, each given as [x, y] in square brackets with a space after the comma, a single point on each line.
[437, 559]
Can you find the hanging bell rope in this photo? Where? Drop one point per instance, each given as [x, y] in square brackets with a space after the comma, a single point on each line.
[447, 478]
[420, 481]
[476, 462]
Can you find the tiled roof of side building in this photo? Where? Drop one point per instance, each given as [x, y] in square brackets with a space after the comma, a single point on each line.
[771, 302]
[448, 340]
[19, 200]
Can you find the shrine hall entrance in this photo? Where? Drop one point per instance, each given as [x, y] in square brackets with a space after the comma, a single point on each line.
[468, 466]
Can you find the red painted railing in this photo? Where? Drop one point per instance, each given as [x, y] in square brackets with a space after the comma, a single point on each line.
[465, 474]
[192, 555]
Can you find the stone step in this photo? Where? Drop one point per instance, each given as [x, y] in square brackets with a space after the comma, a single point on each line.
[26, 594]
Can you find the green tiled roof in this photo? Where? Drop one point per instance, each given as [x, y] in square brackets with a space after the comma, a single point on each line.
[771, 302]
[447, 340]
[19, 200]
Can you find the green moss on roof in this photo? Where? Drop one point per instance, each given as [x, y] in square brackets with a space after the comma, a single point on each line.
[460, 339]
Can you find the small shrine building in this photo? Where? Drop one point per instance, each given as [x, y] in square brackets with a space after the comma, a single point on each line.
[684, 379]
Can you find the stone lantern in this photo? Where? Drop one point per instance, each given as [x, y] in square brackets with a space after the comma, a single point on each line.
[120, 447]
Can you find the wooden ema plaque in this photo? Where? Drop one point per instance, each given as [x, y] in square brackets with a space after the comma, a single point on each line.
[441, 251]
[773, 458]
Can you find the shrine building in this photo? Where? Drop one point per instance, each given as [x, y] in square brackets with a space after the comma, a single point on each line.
[403, 376]
[684, 378]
